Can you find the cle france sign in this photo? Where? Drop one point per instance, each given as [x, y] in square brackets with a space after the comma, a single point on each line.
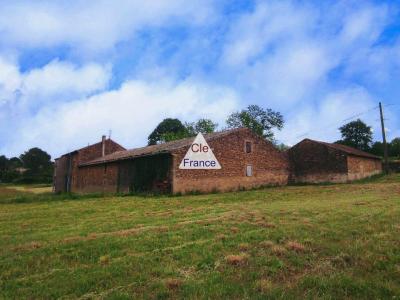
[199, 156]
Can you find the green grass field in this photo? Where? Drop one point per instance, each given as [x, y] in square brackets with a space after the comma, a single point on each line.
[332, 241]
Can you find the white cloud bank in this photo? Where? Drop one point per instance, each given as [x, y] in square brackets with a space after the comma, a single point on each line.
[90, 26]
[315, 64]
[131, 112]
[55, 78]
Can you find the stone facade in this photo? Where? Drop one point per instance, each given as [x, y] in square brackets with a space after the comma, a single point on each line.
[318, 162]
[361, 167]
[68, 177]
[97, 179]
[247, 161]
[269, 166]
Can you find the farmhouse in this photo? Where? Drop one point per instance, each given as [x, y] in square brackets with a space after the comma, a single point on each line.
[315, 162]
[246, 161]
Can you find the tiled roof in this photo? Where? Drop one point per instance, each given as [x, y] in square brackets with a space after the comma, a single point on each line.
[346, 149]
[157, 149]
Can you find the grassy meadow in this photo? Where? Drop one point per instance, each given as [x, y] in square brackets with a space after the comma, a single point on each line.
[323, 241]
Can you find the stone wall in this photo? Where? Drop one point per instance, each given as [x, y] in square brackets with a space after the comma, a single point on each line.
[269, 166]
[94, 151]
[312, 162]
[60, 174]
[321, 178]
[97, 179]
[360, 167]
[63, 172]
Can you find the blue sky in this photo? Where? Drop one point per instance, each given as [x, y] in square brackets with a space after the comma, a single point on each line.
[74, 70]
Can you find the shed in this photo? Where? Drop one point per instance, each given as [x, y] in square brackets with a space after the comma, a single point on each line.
[316, 162]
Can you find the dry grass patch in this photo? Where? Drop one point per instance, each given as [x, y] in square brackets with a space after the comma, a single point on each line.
[173, 283]
[265, 224]
[162, 229]
[221, 237]
[264, 285]
[278, 250]
[188, 272]
[105, 259]
[237, 260]
[127, 232]
[29, 246]
[295, 246]
[244, 246]
[235, 229]
[267, 244]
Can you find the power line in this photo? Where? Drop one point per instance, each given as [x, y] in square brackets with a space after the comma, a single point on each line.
[344, 120]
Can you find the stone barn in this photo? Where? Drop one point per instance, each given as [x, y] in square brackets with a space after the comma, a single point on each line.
[246, 161]
[316, 162]
[66, 167]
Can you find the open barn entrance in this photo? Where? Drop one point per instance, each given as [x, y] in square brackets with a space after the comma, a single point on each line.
[145, 174]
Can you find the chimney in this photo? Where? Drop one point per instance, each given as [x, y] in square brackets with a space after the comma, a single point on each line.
[103, 145]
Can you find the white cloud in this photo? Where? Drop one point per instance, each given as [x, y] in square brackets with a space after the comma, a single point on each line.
[59, 77]
[10, 80]
[23, 94]
[269, 26]
[298, 58]
[53, 82]
[364, 25]
[131, 112]
[90, 25]
[322, 121]
[283, 53]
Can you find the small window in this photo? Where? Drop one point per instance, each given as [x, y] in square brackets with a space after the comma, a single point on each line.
[249, 171]
[248, 147]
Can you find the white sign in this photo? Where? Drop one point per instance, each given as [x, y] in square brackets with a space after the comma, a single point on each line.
[199, 156]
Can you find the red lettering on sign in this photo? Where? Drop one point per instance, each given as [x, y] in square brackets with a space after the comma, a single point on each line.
[199, 148]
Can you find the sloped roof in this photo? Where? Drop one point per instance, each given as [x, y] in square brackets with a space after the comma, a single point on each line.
[89, 146]
[345, 149]
[157, 149]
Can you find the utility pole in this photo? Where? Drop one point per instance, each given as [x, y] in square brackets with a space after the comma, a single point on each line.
[385, 149]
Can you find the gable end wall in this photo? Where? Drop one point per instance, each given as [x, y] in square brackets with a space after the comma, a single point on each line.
[270, 166]
[362, 167]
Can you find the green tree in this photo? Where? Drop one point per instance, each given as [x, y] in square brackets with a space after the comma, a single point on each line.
[14, 163]
[260, 121]
[38, 164]
[394, 149]
[356, 134]
[3, 167]
[377, 149]
[282, 147]
[168, 129]
[202, 125]
[8, 169]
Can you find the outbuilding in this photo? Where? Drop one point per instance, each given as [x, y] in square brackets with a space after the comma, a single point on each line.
[66, 168]
[317, 162]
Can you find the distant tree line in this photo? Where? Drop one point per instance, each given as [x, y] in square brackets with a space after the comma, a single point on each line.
[359, 135]
[33, 166]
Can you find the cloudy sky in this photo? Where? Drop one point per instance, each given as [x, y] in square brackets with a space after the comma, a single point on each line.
[71, 71]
